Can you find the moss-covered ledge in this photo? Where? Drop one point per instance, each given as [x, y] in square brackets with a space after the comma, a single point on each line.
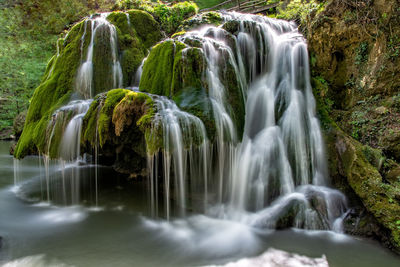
[117, 123]
[359, 167]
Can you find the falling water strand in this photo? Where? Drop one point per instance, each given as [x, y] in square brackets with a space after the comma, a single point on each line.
[16, 171]
[84, 79]
[179, 132]
[277, 172]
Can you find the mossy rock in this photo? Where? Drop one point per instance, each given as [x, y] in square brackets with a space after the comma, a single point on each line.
[232, 26]
[58, 83]
[97, 127]
[201, 19]
[112, 114]
[158, 69]
[102, 61]
[52, 93]
[137, 32]
[178, 71]
[379, 198]
[117, 122]
[136, 110]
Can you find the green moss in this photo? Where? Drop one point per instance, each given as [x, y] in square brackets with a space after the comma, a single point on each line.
[133, 118]
[89, 125]
[147, 29]
[135, 108]
[207, 18]
[324, 103]
[134, 39]
[97, 120]
[53, 92]
[234, 96]
[178, 34]
[106, 113]
[158, 68]
[232, 26]
[367, 183]
[102, 62]
[188, 70]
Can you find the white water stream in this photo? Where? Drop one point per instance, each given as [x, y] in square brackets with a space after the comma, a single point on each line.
[276, 175]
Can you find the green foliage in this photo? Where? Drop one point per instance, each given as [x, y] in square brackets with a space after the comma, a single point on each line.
[52, 16]
[104, 119]
[54, 91]
[22, 62]
[169, 16]
[299, 10]
[207, 3]
[357, 122]
[361, 53]
[158, 68]
[28, 35]
[324, 103]
[393, 46]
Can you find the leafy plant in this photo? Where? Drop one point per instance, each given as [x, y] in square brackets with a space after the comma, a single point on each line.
[300, 10]
[169, 16]
[361, 53]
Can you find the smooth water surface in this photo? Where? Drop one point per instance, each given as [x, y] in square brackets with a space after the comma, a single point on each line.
[119, 231]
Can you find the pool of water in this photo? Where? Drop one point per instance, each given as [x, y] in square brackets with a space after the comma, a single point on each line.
[108, 224]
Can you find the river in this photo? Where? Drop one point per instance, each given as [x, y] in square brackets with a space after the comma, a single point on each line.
[119, 231]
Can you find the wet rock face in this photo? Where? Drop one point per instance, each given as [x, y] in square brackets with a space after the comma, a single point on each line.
[350, 44]
[352, 171]
[353, 57]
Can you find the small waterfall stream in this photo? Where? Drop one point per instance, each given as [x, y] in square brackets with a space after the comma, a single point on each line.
[84, 79]
[68, 119]
[276, 176]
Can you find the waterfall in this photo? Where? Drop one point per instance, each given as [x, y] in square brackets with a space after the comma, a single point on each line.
[180, 131]
[71, 140]
[67, 121]
[265, 165]
[84, 79]
[276, 175]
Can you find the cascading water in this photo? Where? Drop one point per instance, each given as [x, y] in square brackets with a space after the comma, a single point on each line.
[276, 176]
[184, 137]
[265, 169]
[68, 119]
[269, 171]
[84, 79]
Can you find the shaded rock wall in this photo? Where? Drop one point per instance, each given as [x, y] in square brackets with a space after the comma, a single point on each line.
[354, 47]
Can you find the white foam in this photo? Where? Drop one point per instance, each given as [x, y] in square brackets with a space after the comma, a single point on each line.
[278, 258]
